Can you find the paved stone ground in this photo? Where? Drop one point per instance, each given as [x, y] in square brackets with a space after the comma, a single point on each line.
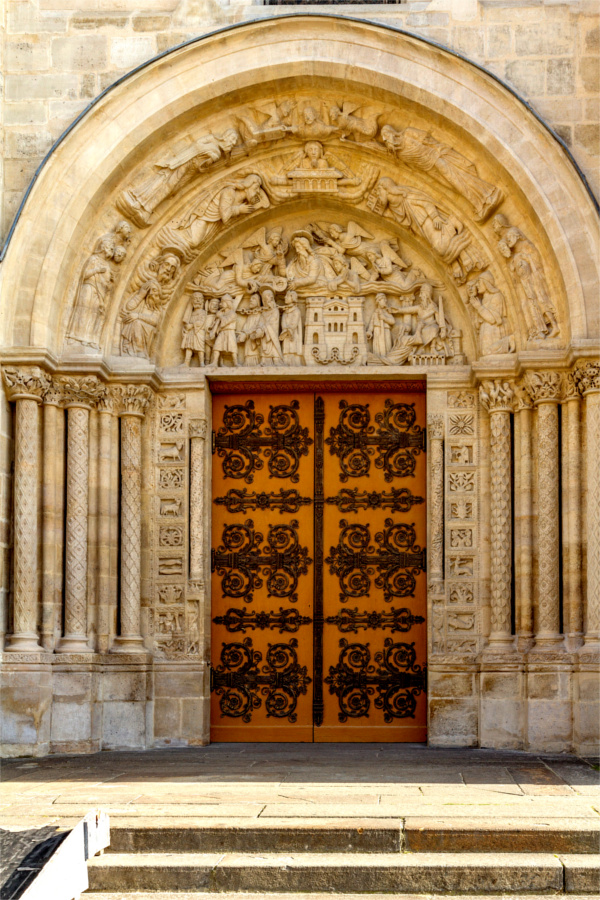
[268, 782]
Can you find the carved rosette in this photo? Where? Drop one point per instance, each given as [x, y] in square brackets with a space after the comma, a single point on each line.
[435, 429]
[497, 398]
[197, 431]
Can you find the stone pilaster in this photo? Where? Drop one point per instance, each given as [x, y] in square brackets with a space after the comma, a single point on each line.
[133, 402]
[545, 390]
[25, 388]
[435, 434]
[524, 518]
[497, 397]
[80, 395]
[587, 376]
[571, 512]
[197, 447]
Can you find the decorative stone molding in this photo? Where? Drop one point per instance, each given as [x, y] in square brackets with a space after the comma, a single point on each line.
[26, 383]
[587, 376]
[132, 399]
[435, 429]
[198, 431]
[543, 387]
[497, 396]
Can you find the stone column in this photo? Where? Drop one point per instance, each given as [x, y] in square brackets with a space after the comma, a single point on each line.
[133, 401]
[105, 426]
[524, 492]
[587, 376]
[197, 448]
[497, 397]
[25, 387]
[571, 512]
[435, 435]
[545, 389]
[80, 395]
[53, 456]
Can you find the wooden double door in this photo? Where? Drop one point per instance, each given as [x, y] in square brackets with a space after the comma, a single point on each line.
[318, 566]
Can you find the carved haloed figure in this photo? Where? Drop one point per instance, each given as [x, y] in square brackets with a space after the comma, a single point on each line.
[194, 330]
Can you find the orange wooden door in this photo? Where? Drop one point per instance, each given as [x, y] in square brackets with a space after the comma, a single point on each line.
[318, 567]
[262, 568]
[374, 580]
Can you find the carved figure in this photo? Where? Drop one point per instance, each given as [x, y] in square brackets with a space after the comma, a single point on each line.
[270, 349]
[355, 127]
[443, 231]
[142, 311]
[488, 303]
[526, 265]
[291, 331]
[380, 327]
[431, 331]
[250, 334]
[93, 292]
[308, 272]
[420, 150]
[194, 330]
[211, 314]
[337, 242]
[311, 127]
[223, 332]
[269, 122]
[174, 173]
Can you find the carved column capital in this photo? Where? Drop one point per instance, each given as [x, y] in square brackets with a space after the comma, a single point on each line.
[54, 396]
[522, 399]
[435, 427]
[497, 395]
[132, 399]
[80, 391]
[29, 382]
[570, 389]
[587, 376]
[198, 428]
[107, 402]
[543, 387]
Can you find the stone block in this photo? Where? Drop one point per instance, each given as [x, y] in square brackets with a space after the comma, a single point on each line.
[565, 133]
[128, 52]
[587, 724]
[76, 686]
[499, 41]
[65, 109]
[543, 685]
[81, 53]
[87, 86]
[167, 719]
[549, 725]
[591, 42]
[502, 723]
[25, 708]
[195, 720]
[546, 39]
[588, 136]
[127, 686]
[527, 75]
[427, 19]
[450, 684]
[588, 686]
[26, 56]
[501, 685]
[589, 74]
[22, 18]
[560, 76]
[71, 722]
[582, 873]
[468, 41]
[151, 23]
[178, 684]
[27, 144]
[41, 87]
[24, 113]
[124, 726]
[453, 723]
[92, 23]
[592, 109]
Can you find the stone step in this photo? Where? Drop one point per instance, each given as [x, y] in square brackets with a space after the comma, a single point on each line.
[194, 895]
[416, 834]
[467, 873]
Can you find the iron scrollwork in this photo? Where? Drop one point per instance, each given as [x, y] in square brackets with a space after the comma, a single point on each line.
[240, 681]
[394, 679]
[241, 440]
[397, 440]
[397, 559]
[241, 561]
[352, 500]
[240, 500]
[288, 620]
[350, 620]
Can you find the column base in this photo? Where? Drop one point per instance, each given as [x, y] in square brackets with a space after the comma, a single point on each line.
[504, 643]
[73, 643]
[128, 644]
[552, 642]
[24, 642]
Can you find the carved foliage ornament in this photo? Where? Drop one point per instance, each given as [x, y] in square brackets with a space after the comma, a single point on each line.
[587, 376]
[543, 386]
[27, 382]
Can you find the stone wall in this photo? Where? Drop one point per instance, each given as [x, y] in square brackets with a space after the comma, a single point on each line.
[60, 54]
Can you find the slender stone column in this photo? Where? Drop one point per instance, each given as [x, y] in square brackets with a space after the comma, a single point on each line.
[80, 394]
[435, 435]
[524, 493]
[25, 387]
[51, 507]
[497, 397]
[105, 424]
[134, 401]
[197, 442]
[571, 512]
[545, 390]
[587, 375]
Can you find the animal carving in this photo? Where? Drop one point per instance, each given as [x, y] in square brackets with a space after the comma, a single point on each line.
[171, 451]
[170, 507]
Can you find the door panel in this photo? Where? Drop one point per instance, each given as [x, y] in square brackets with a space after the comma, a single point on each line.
[262, 579]
[318, 567]
[374, 580]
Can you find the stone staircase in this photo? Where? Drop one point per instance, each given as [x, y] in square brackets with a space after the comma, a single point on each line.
[298, 858]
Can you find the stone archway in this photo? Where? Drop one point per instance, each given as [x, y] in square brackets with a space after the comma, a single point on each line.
[409, 173]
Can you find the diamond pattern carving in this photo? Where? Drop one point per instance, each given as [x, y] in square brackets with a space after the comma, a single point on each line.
[76, 526]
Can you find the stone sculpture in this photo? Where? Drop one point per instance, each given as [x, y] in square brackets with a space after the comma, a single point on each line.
[143, 310]
[487, 301]
[291, 331]
[194, 329]
[223, 332]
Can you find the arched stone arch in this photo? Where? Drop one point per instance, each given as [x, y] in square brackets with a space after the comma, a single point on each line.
[147, 199]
